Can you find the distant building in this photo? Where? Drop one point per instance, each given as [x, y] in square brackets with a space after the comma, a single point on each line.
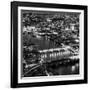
[72, 26]
[29, 29]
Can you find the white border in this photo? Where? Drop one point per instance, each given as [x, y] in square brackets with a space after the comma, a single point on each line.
[51, 78]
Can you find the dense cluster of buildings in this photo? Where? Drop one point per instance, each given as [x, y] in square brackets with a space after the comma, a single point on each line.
[49, 37]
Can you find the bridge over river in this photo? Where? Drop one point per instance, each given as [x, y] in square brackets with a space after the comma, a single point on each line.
[65, 54]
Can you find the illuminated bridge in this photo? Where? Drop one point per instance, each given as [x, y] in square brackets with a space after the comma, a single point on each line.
[50, 55]
[57, 53]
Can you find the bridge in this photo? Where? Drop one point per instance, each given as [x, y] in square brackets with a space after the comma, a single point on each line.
[50, 55]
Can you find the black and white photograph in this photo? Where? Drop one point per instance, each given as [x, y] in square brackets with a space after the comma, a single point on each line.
[50, 44]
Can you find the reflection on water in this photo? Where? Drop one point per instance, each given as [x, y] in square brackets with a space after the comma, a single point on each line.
[64, 69]
[55, 68]
[73, 68]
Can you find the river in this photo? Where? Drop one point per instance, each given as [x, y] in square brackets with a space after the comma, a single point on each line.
[63, 69]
